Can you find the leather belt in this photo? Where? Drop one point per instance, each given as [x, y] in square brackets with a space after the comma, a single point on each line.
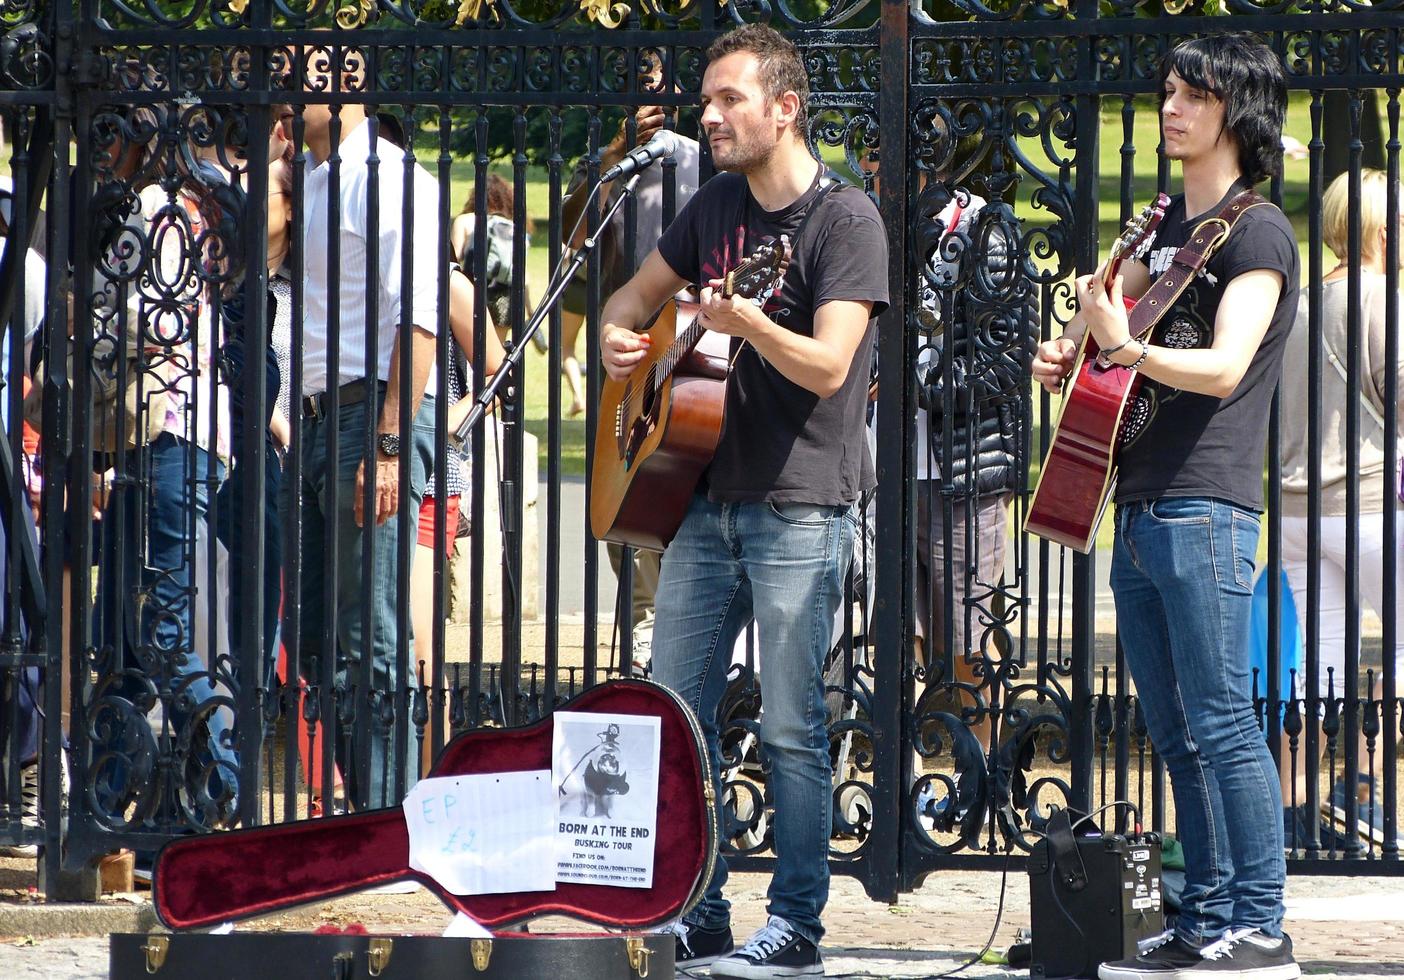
[351, 393]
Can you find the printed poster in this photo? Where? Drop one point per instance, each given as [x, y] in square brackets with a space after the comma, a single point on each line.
[605, 770]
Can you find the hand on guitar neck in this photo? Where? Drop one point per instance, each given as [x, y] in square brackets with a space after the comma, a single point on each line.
[1104, 300]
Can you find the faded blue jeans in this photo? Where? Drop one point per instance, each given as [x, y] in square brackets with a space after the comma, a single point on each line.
[370, 772]
[784, 565]
[1182, 574]
[147, 544]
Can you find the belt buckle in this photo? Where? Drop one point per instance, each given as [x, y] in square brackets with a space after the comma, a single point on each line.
[312, 407]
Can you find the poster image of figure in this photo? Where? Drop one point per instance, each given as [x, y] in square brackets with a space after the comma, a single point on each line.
[605, 772]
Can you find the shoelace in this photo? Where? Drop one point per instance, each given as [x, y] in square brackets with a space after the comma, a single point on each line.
[770, 937]
[29, 794]
[1151, 943]
[1224, 945]
[679, 929]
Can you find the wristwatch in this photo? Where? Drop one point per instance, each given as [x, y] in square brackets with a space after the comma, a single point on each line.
[388, 443]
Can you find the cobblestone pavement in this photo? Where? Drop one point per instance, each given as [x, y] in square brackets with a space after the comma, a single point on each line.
[1346, 927]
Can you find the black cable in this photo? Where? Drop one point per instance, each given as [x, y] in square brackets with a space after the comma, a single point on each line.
[999, 919]
[1104, 808]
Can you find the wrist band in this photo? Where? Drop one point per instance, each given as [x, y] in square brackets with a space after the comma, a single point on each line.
[1104, 355]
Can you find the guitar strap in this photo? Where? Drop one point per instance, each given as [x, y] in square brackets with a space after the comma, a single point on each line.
[1189, 260]
[827, 179]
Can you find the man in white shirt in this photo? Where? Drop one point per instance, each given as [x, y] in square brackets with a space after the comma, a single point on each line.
[383, 258]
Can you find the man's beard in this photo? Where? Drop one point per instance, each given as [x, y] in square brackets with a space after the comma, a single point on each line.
[742, 154]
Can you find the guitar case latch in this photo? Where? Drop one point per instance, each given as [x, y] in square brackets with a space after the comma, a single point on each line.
[155, 949]
[378, 953]
[638, 953]
[482, 954]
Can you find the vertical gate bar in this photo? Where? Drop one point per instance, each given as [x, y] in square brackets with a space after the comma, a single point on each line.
[1315, 292]
[553, 433]
[437, 677]
[303, 706]
[1390, 537]
[252, 671]
[252, 691]
[77, 525]
[368, 706]
[478, 574]
[1275, 699]
[1350, 681]
[54, 447]
[335, 712]
[512, 494]
[404, 764]
[1122, 714]
[431, 678]
[12, 282]
[592, 396]
[1084, 613]
[894, 488]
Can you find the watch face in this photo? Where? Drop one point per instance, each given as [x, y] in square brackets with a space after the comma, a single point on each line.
[389, 444]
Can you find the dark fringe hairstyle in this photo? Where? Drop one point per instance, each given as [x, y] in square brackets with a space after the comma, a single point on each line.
[1247, 77]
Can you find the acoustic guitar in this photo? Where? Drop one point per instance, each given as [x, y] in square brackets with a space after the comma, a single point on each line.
[659, 428]
[1079, 472]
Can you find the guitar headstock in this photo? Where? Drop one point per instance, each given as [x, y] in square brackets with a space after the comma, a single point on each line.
[1139, 228]
[761, 270]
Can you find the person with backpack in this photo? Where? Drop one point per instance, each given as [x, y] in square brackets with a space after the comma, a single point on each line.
[497, 274]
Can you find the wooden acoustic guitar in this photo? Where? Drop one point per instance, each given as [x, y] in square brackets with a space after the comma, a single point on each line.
[659, 428]
[1079, 472]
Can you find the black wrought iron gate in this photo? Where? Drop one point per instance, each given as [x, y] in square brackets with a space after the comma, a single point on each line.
[133, 124]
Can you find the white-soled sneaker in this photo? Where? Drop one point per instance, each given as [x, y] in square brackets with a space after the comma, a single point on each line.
[697, 945]
[1245, 954]
[775, 950]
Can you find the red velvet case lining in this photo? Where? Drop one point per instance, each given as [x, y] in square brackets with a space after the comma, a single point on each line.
[214, 878]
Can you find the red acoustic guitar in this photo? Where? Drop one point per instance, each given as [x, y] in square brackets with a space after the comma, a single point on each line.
[1079, 472]
[659, 428]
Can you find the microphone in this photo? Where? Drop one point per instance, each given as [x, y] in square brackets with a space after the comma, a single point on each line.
[663, 144]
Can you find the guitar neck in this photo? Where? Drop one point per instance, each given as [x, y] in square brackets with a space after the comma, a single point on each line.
[682, 345]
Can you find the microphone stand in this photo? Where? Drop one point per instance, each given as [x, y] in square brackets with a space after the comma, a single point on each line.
[553, 295]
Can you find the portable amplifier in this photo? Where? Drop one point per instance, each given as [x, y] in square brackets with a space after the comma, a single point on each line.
[1092, 897]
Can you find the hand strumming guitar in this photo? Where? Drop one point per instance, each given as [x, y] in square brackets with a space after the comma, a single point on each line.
[1053, 362]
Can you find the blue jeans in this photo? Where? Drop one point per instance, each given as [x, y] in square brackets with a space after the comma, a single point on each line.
[370, 772]
[1182, 574]
[230, 515]
[148, 538]
[784, 565]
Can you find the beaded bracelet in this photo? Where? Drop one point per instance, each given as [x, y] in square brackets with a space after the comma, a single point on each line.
[1145, 352]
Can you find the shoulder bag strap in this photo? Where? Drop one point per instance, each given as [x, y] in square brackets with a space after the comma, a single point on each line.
[1340, 369]
[1189, 260]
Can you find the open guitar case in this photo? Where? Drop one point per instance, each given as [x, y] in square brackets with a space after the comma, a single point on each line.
[206, 881]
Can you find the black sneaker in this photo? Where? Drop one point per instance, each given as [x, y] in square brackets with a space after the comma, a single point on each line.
[697, 945]
[1241, 954]
[775, 950]
[1161, 957]
[1246, 954]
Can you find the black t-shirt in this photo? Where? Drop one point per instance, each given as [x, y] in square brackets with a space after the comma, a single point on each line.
[1180, 444]
[782, 442]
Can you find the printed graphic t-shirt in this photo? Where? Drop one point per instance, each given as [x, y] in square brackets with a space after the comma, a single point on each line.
[1180, 444]
[781, 442]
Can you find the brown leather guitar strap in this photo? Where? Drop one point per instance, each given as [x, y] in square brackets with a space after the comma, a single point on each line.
[1191, 257]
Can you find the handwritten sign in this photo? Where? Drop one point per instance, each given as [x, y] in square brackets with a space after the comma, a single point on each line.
[484, 834]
